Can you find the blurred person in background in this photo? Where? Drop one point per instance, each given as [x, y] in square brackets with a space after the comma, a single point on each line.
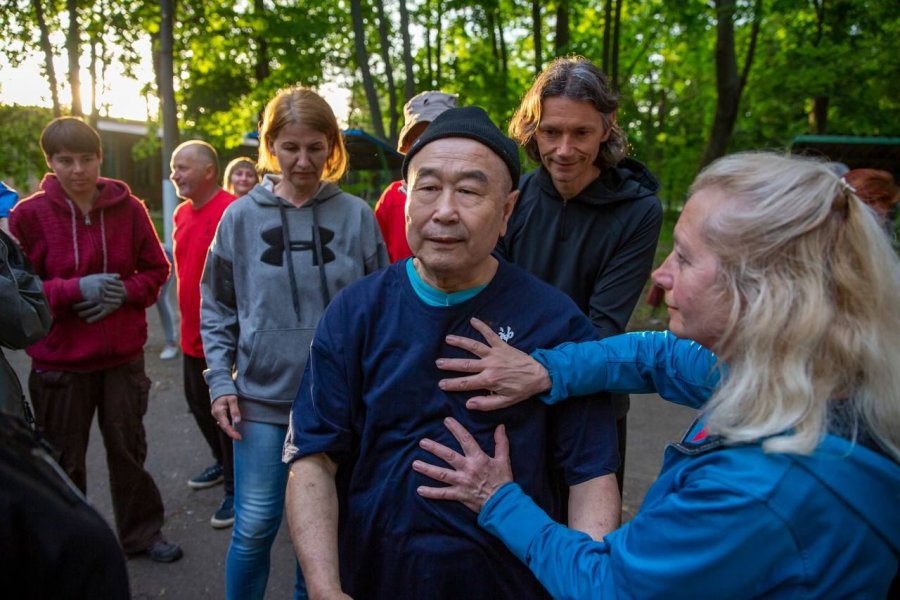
[240, 176]
[878, 189]
[195, 175]
[418, 113]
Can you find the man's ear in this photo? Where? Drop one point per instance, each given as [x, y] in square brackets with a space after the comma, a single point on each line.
[508, 205]
[609, 121]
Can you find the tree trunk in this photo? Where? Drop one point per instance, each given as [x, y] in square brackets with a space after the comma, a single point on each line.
[504, 53]
[617, 26]
[820, 114]
[492, 29]
[409, 87]
[439, 17]
[261, 68]
[362, 58]
[536, 33]
[561, 40]
[165, 80]
[729, 84]
[73, 50]
[384, 38]
[48, 55]
[93, 115]
[428, 49]
[607, 33]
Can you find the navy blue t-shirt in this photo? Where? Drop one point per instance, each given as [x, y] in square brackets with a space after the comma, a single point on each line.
[370, 394]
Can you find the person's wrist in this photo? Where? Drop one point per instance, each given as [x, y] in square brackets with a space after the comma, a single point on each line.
[540, 380]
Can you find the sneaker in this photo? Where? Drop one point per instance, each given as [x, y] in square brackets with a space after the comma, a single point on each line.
[169, 352]
[164, 552]
[209, 477]
[224, 515]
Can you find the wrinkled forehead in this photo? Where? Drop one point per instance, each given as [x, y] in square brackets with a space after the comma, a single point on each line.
[453, 157]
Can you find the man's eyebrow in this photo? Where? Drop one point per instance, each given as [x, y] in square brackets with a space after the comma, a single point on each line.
[476, 174]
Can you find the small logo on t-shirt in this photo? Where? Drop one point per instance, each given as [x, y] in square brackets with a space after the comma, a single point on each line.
[506, 334]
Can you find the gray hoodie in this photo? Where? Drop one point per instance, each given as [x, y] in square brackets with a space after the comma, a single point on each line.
[271, 270]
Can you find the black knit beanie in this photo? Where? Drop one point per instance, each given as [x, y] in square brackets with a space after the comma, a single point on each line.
[473, 123]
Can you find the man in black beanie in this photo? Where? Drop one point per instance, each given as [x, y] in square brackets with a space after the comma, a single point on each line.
[370, 394]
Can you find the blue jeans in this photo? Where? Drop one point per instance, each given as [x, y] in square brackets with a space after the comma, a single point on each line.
[259, 484]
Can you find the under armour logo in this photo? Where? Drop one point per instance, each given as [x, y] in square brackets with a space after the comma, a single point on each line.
[506, 334]
[274, 254]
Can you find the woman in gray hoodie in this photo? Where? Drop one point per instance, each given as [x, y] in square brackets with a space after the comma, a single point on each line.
[279, 255]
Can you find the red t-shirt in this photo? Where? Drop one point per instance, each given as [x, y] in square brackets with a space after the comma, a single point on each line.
[193, 233]
[390, 212]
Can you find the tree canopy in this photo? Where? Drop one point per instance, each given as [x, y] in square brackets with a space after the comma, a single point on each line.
[698, 78]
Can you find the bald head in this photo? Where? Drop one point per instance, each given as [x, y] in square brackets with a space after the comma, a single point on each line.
[195, 171]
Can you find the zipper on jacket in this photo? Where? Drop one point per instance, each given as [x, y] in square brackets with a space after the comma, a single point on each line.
[87, 219]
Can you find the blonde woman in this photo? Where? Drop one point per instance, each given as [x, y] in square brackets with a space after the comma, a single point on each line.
[280, 254]
[787, 485]
[240, 176]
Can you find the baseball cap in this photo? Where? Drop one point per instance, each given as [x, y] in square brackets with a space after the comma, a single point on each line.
[423, 108]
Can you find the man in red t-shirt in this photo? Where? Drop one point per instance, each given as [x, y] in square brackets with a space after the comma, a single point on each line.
[195, 173]
[418, 113]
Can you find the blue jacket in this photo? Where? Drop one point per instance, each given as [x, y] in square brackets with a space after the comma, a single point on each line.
[720, 521]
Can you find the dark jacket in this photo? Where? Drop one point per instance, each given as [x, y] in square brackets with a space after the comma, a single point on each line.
[597, 247]
[53, 544]
[24, 318]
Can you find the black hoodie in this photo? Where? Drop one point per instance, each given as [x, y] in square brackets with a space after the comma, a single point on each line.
[597, 247]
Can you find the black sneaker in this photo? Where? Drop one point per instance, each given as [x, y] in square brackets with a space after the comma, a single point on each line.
[224, 515]
[164, 552]
[209, 477]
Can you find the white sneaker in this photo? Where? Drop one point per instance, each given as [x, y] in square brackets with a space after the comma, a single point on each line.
[169, 352]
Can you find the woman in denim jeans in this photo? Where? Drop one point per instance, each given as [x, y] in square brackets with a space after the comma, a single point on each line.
[281, 252]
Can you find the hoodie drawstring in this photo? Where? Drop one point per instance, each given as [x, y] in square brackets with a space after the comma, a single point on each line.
[320, 255]
[286, 241]
[74, 231]
[103, 240]
[75, 235]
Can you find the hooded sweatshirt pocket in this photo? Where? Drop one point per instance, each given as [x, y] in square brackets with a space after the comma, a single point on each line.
[274, 367]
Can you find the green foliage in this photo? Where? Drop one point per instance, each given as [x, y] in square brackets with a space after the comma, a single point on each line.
[21, 158]
[218, 47]
[231, 57]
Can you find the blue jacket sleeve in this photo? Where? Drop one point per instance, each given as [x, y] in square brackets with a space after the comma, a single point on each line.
[705, 538]
[679, 370]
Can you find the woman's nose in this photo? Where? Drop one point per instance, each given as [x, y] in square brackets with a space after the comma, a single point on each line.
[662, 276]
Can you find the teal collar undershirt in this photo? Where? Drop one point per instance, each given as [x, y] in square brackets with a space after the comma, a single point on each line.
[433, 296]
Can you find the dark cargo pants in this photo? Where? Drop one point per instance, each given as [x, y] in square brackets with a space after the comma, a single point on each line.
[64, 404]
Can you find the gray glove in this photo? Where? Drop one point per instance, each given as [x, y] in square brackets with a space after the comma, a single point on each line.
[92, 286]
[112, 296]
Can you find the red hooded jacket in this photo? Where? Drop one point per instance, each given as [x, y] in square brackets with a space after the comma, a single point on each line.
[117, 236]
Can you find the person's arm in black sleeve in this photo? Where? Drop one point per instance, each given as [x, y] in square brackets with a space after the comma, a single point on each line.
[618, 288]
[24, 313]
